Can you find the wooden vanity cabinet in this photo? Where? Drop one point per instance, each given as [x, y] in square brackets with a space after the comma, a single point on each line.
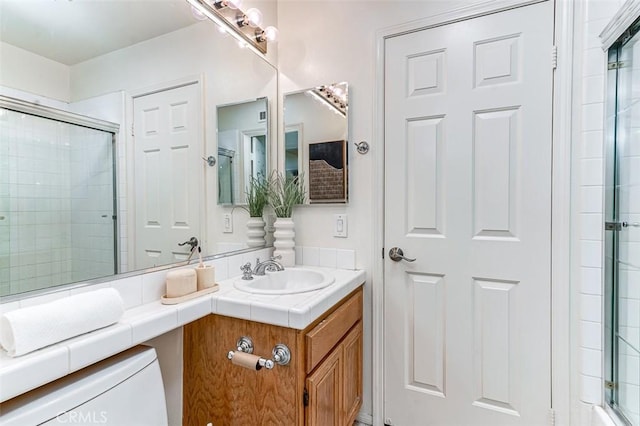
[321, 386]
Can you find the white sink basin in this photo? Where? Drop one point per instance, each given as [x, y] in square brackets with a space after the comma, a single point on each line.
[289, 281]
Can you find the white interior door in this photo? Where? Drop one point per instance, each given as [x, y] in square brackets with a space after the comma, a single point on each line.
[168, 174]
[468, 194]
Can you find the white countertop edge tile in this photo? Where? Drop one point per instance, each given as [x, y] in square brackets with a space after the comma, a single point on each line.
[22, 374]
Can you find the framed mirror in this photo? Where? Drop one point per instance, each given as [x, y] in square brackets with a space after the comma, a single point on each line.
[316, 134]
[70, 59]
[243, 141]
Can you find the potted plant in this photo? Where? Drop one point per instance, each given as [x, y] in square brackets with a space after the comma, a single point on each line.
[257, 199]
[286, 192]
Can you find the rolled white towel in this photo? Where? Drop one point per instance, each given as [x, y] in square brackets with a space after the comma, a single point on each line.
[27, 329]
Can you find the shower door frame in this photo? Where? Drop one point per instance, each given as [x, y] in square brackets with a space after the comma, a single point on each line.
[47, 112]
[613, 222]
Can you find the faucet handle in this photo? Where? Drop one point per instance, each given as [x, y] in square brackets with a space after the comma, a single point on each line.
[278, 257]
[246, 271]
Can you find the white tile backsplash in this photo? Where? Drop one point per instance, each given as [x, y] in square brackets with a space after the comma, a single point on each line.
[327, 258]
[130, 290]
[310, 256]
[153, 286]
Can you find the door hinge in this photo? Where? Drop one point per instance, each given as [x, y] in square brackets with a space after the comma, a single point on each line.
[615, 65]
[610, 385]
[554, 57]
[305, 397]
[613, 226]
[383, 252]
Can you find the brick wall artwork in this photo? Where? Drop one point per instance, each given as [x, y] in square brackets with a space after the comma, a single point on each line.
[327, 172]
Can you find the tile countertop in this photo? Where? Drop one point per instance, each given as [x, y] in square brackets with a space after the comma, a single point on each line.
[21, 374]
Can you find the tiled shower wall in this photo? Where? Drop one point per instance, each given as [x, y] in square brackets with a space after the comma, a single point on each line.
[92, 180]
[38, 185]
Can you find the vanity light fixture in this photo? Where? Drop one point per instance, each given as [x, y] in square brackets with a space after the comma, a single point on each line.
[244, 26]
[332, 95]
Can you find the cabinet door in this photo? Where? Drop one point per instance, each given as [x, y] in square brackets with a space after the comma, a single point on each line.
[325, 392]
[352, 374]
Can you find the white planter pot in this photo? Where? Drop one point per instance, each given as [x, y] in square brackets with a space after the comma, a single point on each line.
[284, 241]
[255, 232]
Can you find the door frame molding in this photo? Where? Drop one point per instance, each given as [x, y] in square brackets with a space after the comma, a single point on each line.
[562, 98]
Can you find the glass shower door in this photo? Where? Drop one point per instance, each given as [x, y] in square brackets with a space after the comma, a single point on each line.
[623, 240]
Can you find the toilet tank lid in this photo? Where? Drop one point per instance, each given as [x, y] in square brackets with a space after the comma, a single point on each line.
[50, 400]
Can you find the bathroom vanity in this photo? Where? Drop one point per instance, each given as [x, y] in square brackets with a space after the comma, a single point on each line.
[321, 384]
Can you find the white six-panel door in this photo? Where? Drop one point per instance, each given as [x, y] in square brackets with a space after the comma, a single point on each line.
[168, 174]
[468, 194]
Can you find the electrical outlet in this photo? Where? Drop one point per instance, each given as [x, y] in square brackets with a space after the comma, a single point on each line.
[227, 223]
[340, 225]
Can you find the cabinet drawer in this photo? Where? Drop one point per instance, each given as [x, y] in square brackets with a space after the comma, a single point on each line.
[323, 337]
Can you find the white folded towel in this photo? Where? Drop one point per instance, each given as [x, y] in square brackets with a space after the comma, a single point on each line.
[27, 329]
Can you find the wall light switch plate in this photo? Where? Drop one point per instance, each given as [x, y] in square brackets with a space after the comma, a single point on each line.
[340, 225]
[227, 223]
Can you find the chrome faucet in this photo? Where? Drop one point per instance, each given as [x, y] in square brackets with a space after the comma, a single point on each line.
[270, 265]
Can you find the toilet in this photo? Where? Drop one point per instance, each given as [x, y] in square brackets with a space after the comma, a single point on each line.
[125, 389]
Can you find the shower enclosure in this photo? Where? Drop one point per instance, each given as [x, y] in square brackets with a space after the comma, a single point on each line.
[57, 198]
[622, 235]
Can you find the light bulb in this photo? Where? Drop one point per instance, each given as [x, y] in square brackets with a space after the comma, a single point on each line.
[254, 16]
[271, 34]
[197, 14]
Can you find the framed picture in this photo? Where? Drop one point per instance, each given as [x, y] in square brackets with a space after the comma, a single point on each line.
[328, 172]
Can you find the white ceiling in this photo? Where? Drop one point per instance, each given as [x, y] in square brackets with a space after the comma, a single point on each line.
[72, 31]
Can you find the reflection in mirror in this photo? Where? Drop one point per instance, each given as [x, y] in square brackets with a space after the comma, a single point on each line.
[242, 148]
[315, 141]
[104, 73]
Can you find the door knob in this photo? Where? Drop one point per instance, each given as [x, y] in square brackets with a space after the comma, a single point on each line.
[396, 254]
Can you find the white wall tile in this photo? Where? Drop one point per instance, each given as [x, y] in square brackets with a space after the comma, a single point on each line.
[153, 286]
[327, 257]
[310, 256]
[130, 290]
[346, 259]
[591, 199]
[593, 62]
[591, 308]
[591, 335]
[591, 172]
[591, 253]
[591, 389]
[591, 280]
[592, 144]
[222, 271]
[593, 89]
[591, 226]
[591, 362]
